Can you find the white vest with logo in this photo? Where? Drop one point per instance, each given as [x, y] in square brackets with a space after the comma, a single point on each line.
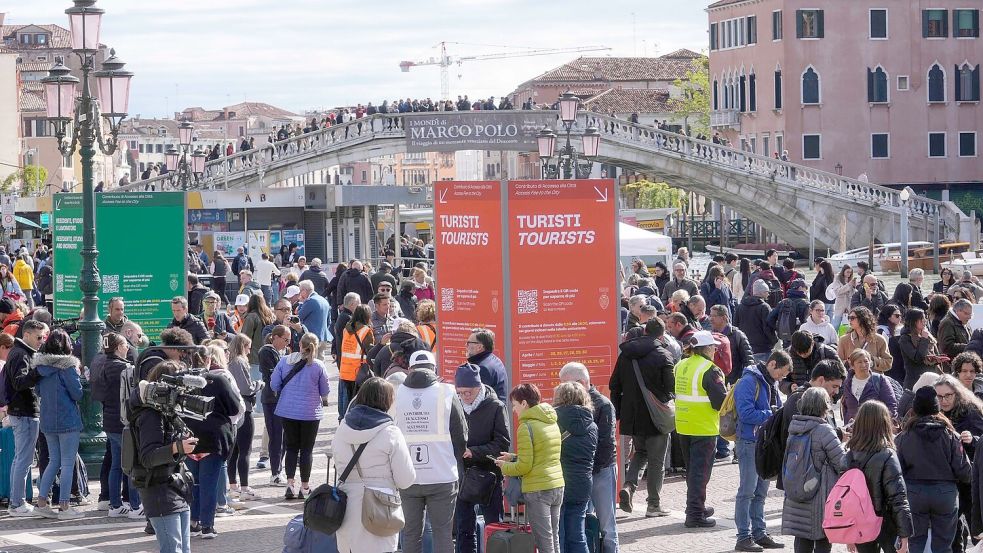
[424, 416]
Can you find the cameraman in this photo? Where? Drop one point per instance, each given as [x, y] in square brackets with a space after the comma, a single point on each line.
[161, 447]
[174, 343]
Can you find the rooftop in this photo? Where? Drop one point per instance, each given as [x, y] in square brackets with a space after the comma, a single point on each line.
[151, 127]
[722, 3]
[30, 102]
[630, 100]
[240, 110]
[60, 36]
[34, 67]
[669, 67]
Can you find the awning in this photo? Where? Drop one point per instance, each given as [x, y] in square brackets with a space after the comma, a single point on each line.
[26, 222]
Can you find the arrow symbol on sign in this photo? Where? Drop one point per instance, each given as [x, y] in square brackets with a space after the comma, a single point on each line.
[443, 194]
[602, 194]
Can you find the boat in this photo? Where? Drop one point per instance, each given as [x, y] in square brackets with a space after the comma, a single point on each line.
[753, 250]
[881, 252]
[924, 258]
[967, 261]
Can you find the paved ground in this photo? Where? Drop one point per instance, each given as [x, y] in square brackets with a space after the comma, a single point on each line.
[260, 528]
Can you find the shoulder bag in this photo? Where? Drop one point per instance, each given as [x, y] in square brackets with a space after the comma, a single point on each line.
[324, 509]
[382, 510]
[663, 413]
[364, 369]
[294, 371]
[477, 486]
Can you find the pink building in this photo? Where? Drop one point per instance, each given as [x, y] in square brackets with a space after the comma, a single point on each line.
[886, 89]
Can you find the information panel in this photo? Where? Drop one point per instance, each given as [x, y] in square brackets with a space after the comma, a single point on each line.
[141, 238]
[560, 315]
[468, 248]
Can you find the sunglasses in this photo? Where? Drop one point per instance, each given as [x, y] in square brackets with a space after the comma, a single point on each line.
[852, 317]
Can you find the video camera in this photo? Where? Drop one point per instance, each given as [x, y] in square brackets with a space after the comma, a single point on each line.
[172, 395]
[70, 326]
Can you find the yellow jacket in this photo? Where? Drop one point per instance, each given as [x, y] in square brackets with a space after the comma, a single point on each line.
[538, 454]
[24, 275]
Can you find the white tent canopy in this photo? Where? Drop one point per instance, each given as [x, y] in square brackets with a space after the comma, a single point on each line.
[636, 242]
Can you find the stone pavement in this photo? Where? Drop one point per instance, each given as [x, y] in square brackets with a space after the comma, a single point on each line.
[260, 528]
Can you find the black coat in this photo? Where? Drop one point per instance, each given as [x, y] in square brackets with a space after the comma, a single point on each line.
[488, 432]
[606, 453]
[344, 316]
[165, 494]
[752, 318]
[930, 451]
[968, 420]
[195, 297]
[216, 433]
[193, 325]
[655, 364]
[802, 368]
[356, 281]
[741, 355]
[577, 453]
[888, 493]
[492, 372]
[111, 374]
[407, 303]
[913, 357]
[317, 278]
[20, 381]
[268, 359]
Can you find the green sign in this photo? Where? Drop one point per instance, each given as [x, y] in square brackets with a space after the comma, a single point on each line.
[45, 220]
[141, 238]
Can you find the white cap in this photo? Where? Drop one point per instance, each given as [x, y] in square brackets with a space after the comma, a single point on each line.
[291, 291]
[394, 325]
[702, 338]
[421, 360]
[242, 299]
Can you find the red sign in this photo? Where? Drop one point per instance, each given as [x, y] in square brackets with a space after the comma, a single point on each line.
[468, 249]
[563, 270]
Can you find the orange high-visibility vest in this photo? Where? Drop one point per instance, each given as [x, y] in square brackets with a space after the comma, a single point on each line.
[351, 353]
[428, 334]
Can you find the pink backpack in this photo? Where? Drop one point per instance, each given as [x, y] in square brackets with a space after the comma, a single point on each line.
[849, 515]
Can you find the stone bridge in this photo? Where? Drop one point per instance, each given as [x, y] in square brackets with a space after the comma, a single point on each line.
[789, 200]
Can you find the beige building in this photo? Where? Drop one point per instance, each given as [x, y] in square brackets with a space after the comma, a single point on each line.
[9, 115]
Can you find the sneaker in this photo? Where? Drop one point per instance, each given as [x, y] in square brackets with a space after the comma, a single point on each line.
[70, 514]
[278, 480]
[747, 544]
[767, 542]
[81, 500]
[707, 522]
[137, 514]
[103, 506]
[624, 499]
[708, 512]
[208, 533]
[119, 512]
[289, 494]
[46, 512]
[24, 510]
[149, 529]
[304, 492]
[656, 512]
[263, 463]
[224, 511]
[248, 494]
[236, 502]
[195, 530]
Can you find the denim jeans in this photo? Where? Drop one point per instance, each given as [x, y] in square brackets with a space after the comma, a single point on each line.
[465, 520]
[543, 511]
[933, 505]
[346, 392]
[649, 450]
[208, 474]
[116, 475]
[62, 449]
[438, 502]
[267, 293]
[749, 510]
[572, 533]
[723, 447]
[602, 497]
[698, 451]
[25, 438]
[173, 532]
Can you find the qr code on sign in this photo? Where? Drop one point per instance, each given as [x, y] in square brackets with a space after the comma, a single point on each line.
[447, 299]
[110, 284]
[528, 301]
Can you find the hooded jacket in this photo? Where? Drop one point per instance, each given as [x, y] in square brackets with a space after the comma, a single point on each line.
[23, 402]
[538, 444]
[317, 278]
[656, 366]
[354, 280]
[661, 281]
[878, 387]
[805, 519]
[929, 451]
[882, 471]
[755, 400]
[166, 492]
[385, 463]
[24, 275]
[59, 390]
[488, 432]
[579, 443]
[110, 382]
[752, 318]
[606, 454]
[300, 399]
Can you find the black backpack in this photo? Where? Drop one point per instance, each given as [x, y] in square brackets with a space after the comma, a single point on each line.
[787, 323]
[775, 294]
[769, 448]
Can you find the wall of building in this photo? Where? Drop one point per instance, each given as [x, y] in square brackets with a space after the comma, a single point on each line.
[9, 116]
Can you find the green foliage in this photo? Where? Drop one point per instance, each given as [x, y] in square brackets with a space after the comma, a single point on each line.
[695, 100]
[656, 195]
[31, 177]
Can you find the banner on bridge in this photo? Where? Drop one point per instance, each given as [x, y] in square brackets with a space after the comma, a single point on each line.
[476, 130]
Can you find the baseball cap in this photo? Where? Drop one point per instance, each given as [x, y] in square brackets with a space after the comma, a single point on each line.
[242, 299]
[797, 284]
[702, 338]
[212, 296]
[394, 325]
[291, 291]
[423, 360]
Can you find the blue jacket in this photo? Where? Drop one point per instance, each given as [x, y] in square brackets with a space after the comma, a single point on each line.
[492, 373]
[313, 314]
[755, 398]
[301, 398]
[59, 391]
[579, 443]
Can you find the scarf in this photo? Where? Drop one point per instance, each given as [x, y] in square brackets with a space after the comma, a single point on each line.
[470, 407]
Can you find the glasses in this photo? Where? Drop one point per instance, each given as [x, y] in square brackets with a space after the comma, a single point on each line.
[819, 310]
[896, 316]
[283, 309]
[473, 343]
[852, 317]
[947, 397]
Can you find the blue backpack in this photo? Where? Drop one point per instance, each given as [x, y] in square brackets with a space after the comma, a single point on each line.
[800, 476]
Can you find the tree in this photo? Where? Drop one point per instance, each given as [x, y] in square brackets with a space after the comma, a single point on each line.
[32, 178]
[694, 103]
[656, 195]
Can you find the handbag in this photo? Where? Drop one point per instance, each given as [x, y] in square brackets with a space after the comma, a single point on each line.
[365, 371]
[513, 484]
[382, 510]
[663, 413]
[324, 509]
[477, 486]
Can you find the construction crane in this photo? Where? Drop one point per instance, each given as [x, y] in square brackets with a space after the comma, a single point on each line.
[446, 60]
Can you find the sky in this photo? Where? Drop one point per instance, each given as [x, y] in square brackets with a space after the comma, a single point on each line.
[315, 54]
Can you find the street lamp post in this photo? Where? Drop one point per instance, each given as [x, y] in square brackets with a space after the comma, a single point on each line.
[84, 111]
[177, 160]
[568, 160]
[904, 196]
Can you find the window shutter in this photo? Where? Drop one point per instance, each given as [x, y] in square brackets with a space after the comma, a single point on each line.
[798, 23]
[743, 93]
[955, 23]
[870, 85]
[778, 90]
[715, 104]
[753, 92]
[958, 91]
[924, 23]
[976, 23]
[820, 27]
[976, 84]
[945, 25]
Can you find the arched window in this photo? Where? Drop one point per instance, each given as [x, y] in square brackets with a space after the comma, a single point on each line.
[877, 86]
[936, 84]
[967, 83]
[810, 87]
[715, 104]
